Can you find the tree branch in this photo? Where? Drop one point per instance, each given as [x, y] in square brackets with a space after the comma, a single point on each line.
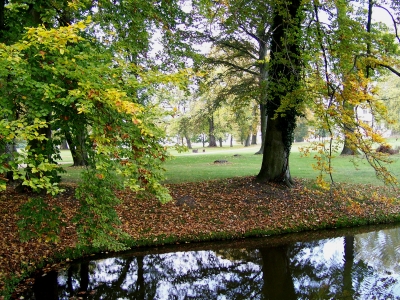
[393, 19]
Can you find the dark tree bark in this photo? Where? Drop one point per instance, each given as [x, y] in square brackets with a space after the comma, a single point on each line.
[254, 139]
[2, 21]
[247, 140]
[188, 142]
[283, 77]
[348, 149]
[212, 142]
[220, 142]
[78, 149]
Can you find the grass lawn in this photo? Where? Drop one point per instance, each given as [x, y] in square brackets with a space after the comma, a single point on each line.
[194, 167]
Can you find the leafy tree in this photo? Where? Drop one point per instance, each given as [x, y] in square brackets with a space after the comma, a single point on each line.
[122, 138]
[341, 78]
[240, 33]
[284, 83]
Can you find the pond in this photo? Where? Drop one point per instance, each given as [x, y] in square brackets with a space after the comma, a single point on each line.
[359, 263]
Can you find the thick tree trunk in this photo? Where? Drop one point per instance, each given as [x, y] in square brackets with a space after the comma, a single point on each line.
[247, 141]
[283, 79]
[188, 142]
[77, 148]
[275, 163]
[348, 149]
[212, 142]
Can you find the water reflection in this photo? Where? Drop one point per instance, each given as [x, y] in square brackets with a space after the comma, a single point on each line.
[352, 266]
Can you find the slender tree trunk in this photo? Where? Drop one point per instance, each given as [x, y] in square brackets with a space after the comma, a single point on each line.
[283, 79]
[254, 139]
[231, 141]
[220, 142]
[64, 145]
[263, 80]
[263, 127]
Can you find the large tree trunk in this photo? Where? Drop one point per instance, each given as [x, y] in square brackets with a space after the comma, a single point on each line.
[212, 142]
[348, 149]
[283, 79]
[275, 163]
[78, 149]
[188, 142]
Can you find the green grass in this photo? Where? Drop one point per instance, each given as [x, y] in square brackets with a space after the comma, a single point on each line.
[192, 167]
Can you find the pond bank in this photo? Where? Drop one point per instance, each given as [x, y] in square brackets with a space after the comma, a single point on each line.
[220, 209]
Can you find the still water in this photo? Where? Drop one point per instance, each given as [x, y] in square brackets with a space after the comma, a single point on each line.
[360, 263]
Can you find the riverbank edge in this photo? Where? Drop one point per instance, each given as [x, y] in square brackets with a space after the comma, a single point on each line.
[372, 215]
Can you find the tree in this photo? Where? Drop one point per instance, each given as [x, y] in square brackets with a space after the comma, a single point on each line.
[344, 64]
[240, 33]
[284, 100]
[122, 136]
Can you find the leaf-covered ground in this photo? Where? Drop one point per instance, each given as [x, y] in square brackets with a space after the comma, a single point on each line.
[205, 210]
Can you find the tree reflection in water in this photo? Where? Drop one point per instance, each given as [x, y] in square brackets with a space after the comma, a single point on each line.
[361, 266]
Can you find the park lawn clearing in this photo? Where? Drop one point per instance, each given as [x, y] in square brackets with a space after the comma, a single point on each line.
[200, 211]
